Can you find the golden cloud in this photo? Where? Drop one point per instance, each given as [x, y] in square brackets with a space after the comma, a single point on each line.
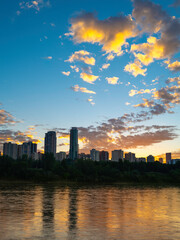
[105, 66]
[112, 33]
[135, 69]
[142, 91]
[112, 80]
[82, 56]
[88, 77]
[175, 66]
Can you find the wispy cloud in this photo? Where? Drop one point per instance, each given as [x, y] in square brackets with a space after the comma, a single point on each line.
[36, 5]
[105, 66]
[77, 88]
[142, 91]
[66, 73]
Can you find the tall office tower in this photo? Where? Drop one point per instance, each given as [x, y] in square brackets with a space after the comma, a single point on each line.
[150, 158]
[50, 142]
[28, 148]
[168, 158]
[94, 154]
[117, 155]
[10, 149]
[73, 151]
[130, 157]
[104, 156]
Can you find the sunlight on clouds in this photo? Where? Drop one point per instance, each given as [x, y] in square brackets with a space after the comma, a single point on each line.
[175, 66]
[142, 91]
[151, 50]
[135, 69]
[82, 56]
[111, 33]
[91, 101]
[76, 88]
[75, 68]
[105, 66]
[112, 80]
[88, 77]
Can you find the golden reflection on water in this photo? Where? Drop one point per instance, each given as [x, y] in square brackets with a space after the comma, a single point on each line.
[53, 211]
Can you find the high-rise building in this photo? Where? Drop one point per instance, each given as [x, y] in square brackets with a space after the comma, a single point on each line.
[10, 149]
[161, 160]
[130, 157]
[29, 149]
[141, 159]
[50, 142]
[73, 151]
[168, 158]
[104, 156]
[150, 158]
[94, 155]
[117, 155]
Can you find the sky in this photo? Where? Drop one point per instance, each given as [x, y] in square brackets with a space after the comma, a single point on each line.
[110, 68]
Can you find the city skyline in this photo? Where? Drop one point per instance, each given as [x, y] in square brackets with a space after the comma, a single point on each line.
[111, 70]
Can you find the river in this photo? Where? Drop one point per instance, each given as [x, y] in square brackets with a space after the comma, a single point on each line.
[69, 211]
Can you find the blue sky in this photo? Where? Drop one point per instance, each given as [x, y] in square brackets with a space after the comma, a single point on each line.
[55, 73]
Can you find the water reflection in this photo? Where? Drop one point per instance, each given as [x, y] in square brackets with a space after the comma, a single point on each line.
[48, 212]
[53, 211]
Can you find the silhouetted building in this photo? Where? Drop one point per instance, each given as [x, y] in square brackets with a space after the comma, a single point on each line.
[161, 160]
[130, 157]
[104, 156]
[10, 149]
[27, 148]
[150, 158]
[50, 142]
[60, 156]
[94, 154]
[168, 158]
[141, 159]
[73, 151]
[117, 155]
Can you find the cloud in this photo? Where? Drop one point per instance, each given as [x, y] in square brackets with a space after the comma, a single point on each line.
[88, 77]
[16, 137]
[142, 91]
[176, 4]
[152, 19]
[111, 33]
[6, 118]
[91, 101]
[66, 73]
[36, 5]
[76, 88]
[82, 56]
[173, 80]
[75, 68]
[175, 66]
[127, 103]
[105, 66]
[112, 80]
[135, 69]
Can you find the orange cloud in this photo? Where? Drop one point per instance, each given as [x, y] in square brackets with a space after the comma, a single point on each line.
[142, 91]
[175, 66]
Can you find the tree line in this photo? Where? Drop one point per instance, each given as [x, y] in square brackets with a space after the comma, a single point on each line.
[48, 169]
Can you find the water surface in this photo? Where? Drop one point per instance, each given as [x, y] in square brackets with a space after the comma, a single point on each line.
[55, 211]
